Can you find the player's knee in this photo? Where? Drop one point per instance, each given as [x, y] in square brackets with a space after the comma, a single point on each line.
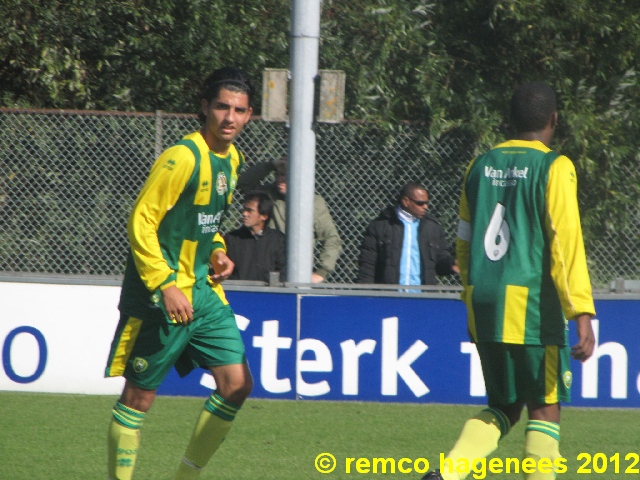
[245, 389]
[236, 390]
[137, 398]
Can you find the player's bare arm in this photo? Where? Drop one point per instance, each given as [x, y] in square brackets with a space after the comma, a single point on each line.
[586, 338]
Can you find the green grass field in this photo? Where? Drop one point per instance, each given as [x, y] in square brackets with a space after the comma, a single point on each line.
[51, 437]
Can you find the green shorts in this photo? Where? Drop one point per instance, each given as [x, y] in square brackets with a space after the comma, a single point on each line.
[143, 351]
[525, 373]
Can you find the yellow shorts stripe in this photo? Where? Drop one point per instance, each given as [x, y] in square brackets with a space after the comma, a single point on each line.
[551, 374]
[125, 345]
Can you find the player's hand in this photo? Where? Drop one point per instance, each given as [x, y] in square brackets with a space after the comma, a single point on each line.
[586, 339]
[315, 278]
[177, 305]
[222, 266]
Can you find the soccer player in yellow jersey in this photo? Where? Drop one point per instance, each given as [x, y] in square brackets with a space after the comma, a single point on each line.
[172, 312]
[524, 274]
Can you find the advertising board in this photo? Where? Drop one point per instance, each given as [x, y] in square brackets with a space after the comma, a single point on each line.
[56, 338]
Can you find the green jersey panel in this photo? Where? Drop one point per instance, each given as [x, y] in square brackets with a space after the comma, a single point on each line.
[514, 299]
[185, 232]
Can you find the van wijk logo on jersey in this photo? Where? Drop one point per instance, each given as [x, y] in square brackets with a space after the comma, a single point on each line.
[514, 172]
[209, 223]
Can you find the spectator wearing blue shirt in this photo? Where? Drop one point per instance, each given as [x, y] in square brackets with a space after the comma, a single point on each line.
[405, 244]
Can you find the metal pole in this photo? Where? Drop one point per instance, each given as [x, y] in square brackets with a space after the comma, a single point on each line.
[159, 133]
[305, 39]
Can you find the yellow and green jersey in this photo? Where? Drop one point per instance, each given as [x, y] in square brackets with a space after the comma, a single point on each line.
[173, 228]
[520, 248]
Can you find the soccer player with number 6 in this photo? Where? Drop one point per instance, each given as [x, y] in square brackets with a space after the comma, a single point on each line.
[524, 275]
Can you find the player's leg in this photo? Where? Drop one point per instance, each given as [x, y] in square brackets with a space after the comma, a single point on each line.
[542, 440]
[478, 439]
[124, 430]
[142, 352]
[225, 357]
[481, 433]
[542, 434]
[234, 384]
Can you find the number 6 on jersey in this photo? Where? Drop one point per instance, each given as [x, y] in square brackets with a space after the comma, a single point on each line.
[496, 238]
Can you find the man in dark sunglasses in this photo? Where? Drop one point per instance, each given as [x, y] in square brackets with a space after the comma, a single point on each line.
[405, 244]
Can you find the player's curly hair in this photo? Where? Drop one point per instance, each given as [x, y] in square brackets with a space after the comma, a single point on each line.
[531, 106]
[231, 78]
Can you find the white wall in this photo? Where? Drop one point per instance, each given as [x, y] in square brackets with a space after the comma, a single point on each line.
[75, 323]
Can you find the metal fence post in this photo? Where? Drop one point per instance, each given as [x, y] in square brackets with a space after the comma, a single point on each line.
[159, 144]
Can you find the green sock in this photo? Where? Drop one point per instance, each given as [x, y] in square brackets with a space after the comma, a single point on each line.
[479, 437]
[211, 428]
[542, 444]
[123, 441]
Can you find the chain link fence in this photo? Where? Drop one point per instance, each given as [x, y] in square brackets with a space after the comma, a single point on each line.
[69, 179]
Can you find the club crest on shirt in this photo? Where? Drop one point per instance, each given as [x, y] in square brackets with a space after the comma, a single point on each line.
[140, 365]
[221, 183]
[567, 378]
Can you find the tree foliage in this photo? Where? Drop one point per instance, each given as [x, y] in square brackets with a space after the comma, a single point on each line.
[131, 54]
[448, 64]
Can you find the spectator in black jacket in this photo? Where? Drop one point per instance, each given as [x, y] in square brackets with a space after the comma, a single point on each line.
[255, 248]
[406, 244]
[325, 233]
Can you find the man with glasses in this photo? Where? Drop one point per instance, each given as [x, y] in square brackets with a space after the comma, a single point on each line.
[406, 244]
[255, 248]
[326, 237]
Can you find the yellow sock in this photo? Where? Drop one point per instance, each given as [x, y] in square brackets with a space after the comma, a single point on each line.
[542, 445]
[123, 441]
[479, 437]
[211, 428]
